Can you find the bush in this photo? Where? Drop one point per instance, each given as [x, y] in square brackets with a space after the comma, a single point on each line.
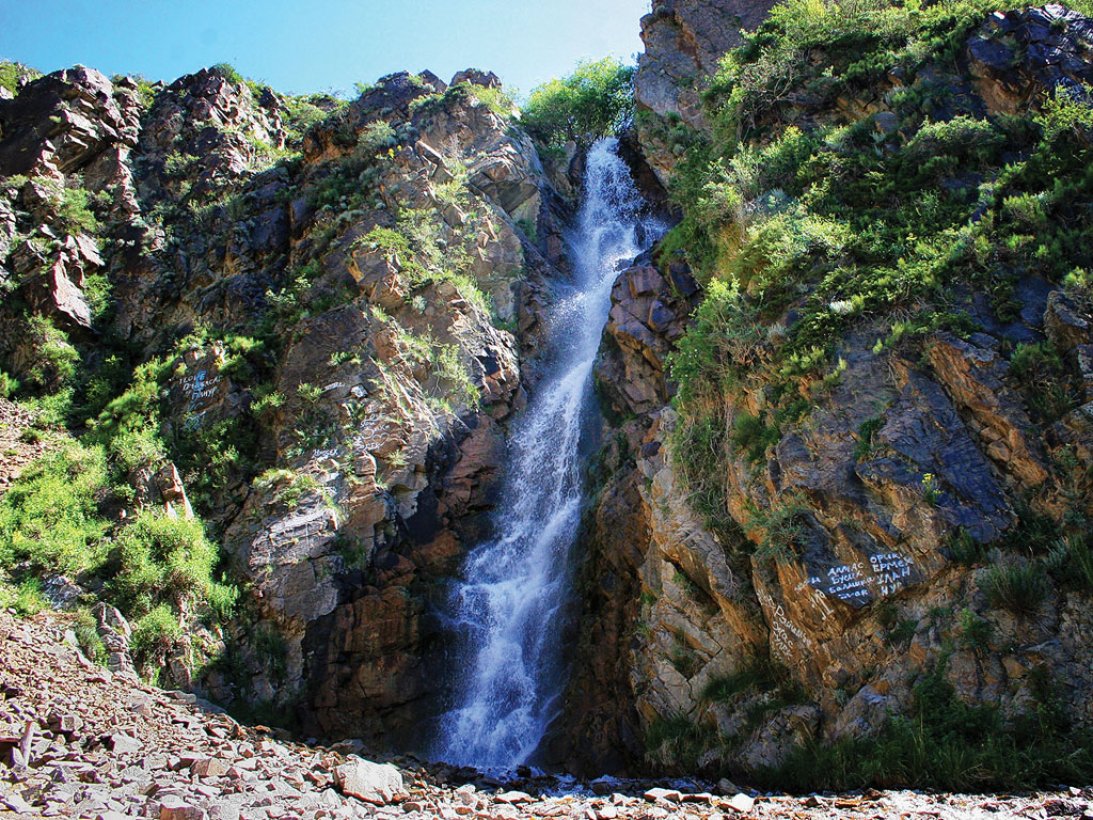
[753, 436]
[677, 742]
[757, 674]
[56, 360]
[165, 560]
[375, 137]
[946, 744]
[50, 516]
[594, 101]
[154, 635]
[1019, 587]
[229, 73]
[9, 385]
[11, 73]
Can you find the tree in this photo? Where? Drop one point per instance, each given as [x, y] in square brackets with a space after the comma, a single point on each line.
[594, 101]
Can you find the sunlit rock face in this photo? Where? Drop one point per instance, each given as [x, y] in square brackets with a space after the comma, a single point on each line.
[394, 259]
[684, 41]
[894, 467]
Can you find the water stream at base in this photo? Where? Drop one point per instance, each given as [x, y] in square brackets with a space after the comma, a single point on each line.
[509, 605]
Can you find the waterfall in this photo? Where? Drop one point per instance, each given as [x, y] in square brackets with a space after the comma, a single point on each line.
[509, 605]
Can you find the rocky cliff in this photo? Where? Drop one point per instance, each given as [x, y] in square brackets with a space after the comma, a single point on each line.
[684, 41]
[866, 502]
[266, 350]
[338, 305]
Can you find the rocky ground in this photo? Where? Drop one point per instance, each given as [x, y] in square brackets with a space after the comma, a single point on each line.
[79, 741]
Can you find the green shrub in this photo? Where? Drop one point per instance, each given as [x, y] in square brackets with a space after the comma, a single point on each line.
[677, 742]
[975, 632]
[756, 674]
[229, 73]
[1019, 587]
[165, 560]
[496, 100]
[780, 525]
[154, 635]
[87, 636]
[25, 598]
[56, 358]
[50, 517]
[9, 385]
[74, 211]
[287, 486]
[946, 744]
[375, 137]
[964, 549]
[752, 436]
[11, 73]
[593, 101]
[868, 428]
[1042, 375]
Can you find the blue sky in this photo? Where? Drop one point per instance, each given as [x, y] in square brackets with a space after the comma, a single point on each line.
[324, 45]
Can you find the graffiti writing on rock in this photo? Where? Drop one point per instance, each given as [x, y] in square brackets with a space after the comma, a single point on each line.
[786, 638]
[856, 583]
[201, 386]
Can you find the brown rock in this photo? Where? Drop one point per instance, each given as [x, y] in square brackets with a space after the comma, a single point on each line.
[210, 767]
[176, 808]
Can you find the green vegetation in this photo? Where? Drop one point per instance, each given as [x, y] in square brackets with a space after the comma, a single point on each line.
[795, 209]
[11, 73]
[678, 742]
[156, 569]
[945, 743]
[594, 101]
[1019, 587]
[805, 222]
[758, 674]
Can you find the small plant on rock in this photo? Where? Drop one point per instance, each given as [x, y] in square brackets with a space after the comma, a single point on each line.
[1017, 586]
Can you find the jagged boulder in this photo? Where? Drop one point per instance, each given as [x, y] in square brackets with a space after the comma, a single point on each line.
[60, 122]
[649, 313]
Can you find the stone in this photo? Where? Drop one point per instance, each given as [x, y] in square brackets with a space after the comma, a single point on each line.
[176, 808]
[514, 797]
[122, 744]
[65, 723]
[886, 122]
[657, 795]
[371, 782]
[210, 767]
[742, 803]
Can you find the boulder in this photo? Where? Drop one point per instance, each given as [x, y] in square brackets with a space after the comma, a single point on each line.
[374, 783]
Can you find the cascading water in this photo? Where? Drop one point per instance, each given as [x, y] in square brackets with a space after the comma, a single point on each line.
[509, 605]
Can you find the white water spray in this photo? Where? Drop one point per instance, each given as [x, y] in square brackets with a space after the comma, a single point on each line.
[509, 605]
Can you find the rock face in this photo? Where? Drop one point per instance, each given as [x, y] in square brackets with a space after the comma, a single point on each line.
[901, 460]
[348, 312]
[684, 41]
[1017, 54]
